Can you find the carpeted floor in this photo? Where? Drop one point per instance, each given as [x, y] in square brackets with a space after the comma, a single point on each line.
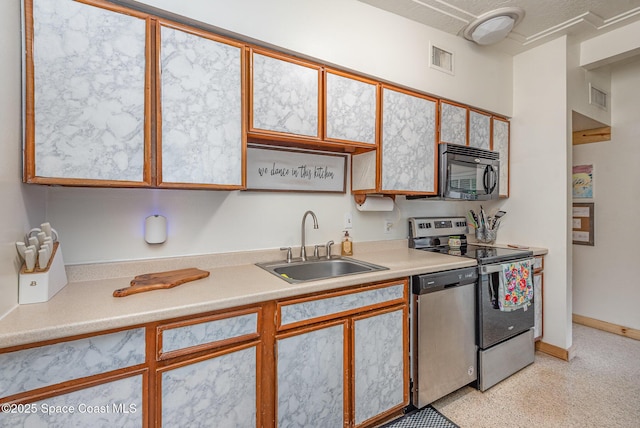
[599, 387]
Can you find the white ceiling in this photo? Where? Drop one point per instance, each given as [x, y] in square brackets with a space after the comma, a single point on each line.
[544, 19]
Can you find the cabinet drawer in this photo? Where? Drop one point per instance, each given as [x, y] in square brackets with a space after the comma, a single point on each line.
[32, 368]
[332, 305]
[207, 332]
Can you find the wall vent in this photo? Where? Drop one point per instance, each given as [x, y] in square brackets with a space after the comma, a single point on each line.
[441, 59]
[598, 97]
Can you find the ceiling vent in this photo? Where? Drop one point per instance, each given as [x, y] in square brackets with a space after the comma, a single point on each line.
[441, 59]
[598, 97]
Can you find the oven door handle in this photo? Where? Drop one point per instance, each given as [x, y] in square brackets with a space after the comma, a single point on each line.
[487, 269]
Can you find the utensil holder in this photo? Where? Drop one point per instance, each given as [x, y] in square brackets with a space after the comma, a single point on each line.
[485, 235]
[40, 285]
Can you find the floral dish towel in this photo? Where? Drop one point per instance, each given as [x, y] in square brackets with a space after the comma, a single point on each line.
[516, 286]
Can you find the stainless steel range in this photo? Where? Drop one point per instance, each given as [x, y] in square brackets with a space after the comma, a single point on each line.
[502, 337]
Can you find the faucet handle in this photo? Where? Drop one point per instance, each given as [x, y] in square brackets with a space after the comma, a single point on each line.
[289, 254]
[328, 248]
[316, 251]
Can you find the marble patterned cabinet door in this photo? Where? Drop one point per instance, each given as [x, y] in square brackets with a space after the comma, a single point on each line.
[408, 142]
[479, 130]
[453, 123]
[351, 108]
[538, 281]
[380, 365]
[118, 403]
[310, 378]
[88, 95]
[501, 145]
[285, 96]
[201, 102]
[216, 392]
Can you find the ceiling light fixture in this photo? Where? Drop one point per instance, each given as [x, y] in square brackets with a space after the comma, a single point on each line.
[494, 26]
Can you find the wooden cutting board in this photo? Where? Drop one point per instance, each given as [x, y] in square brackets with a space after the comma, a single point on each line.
[159, 280]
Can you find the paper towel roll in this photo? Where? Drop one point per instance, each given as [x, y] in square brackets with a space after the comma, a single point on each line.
[376, 203]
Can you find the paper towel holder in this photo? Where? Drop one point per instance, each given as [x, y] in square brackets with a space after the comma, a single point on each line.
[366, 202]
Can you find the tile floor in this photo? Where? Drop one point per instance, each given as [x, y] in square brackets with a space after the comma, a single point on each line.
[599, 387]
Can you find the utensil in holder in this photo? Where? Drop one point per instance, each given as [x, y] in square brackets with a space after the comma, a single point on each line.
[40, 285]
[486, 235]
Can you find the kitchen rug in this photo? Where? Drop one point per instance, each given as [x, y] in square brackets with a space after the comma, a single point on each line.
[427, 417]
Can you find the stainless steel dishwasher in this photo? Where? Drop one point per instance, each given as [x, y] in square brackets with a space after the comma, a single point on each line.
[444, 350]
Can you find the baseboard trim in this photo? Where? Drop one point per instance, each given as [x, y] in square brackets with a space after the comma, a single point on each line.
[607, 326]
[554, 351]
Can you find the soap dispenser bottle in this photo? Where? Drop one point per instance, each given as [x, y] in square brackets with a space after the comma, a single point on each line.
[347, 247]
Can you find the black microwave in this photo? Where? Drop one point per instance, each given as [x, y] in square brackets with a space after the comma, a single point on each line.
[468, 173]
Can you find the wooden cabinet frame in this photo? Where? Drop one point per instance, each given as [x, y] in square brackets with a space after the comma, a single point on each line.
[157, 84]
[257, 134]
[29, 173]
[355, 144]
[493, 147]
[454, 104]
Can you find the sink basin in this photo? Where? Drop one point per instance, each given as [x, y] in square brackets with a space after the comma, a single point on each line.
[311, 270]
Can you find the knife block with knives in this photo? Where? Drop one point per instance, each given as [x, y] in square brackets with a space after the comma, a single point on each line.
[41, 284]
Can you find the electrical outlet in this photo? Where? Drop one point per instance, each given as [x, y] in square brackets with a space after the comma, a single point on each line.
[388, 225]
[348, 220]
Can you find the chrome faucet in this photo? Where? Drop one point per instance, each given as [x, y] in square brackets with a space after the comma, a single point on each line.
[303, 251]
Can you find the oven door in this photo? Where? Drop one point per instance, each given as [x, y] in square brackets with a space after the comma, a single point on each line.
[494, 325]
[469, 178]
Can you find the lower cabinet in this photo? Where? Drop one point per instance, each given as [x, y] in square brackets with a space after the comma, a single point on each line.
[113, 403]
[380, 354]
[538, 296]
[334, 359]
[310, 381]
[345, 363]
[216, 390]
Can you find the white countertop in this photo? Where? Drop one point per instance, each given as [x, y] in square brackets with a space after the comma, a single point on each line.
[86, 304]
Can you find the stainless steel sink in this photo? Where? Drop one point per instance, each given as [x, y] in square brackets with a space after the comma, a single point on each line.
[315, 269]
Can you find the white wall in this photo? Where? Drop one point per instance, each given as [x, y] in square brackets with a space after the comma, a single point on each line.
[360, 37]
[106, 224]
[537, 210]
[605, 287]
[20, 206]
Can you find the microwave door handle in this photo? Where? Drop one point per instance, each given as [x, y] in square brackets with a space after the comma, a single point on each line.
[485, 179]
[494, 175]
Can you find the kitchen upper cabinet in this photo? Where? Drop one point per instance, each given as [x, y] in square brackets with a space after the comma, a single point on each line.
[479, 130]
[351, 108]
[408, 152]
[284, 97]
[501, 145]
[406, 161]
[87, 94]
[201, 139]
[453, 123]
